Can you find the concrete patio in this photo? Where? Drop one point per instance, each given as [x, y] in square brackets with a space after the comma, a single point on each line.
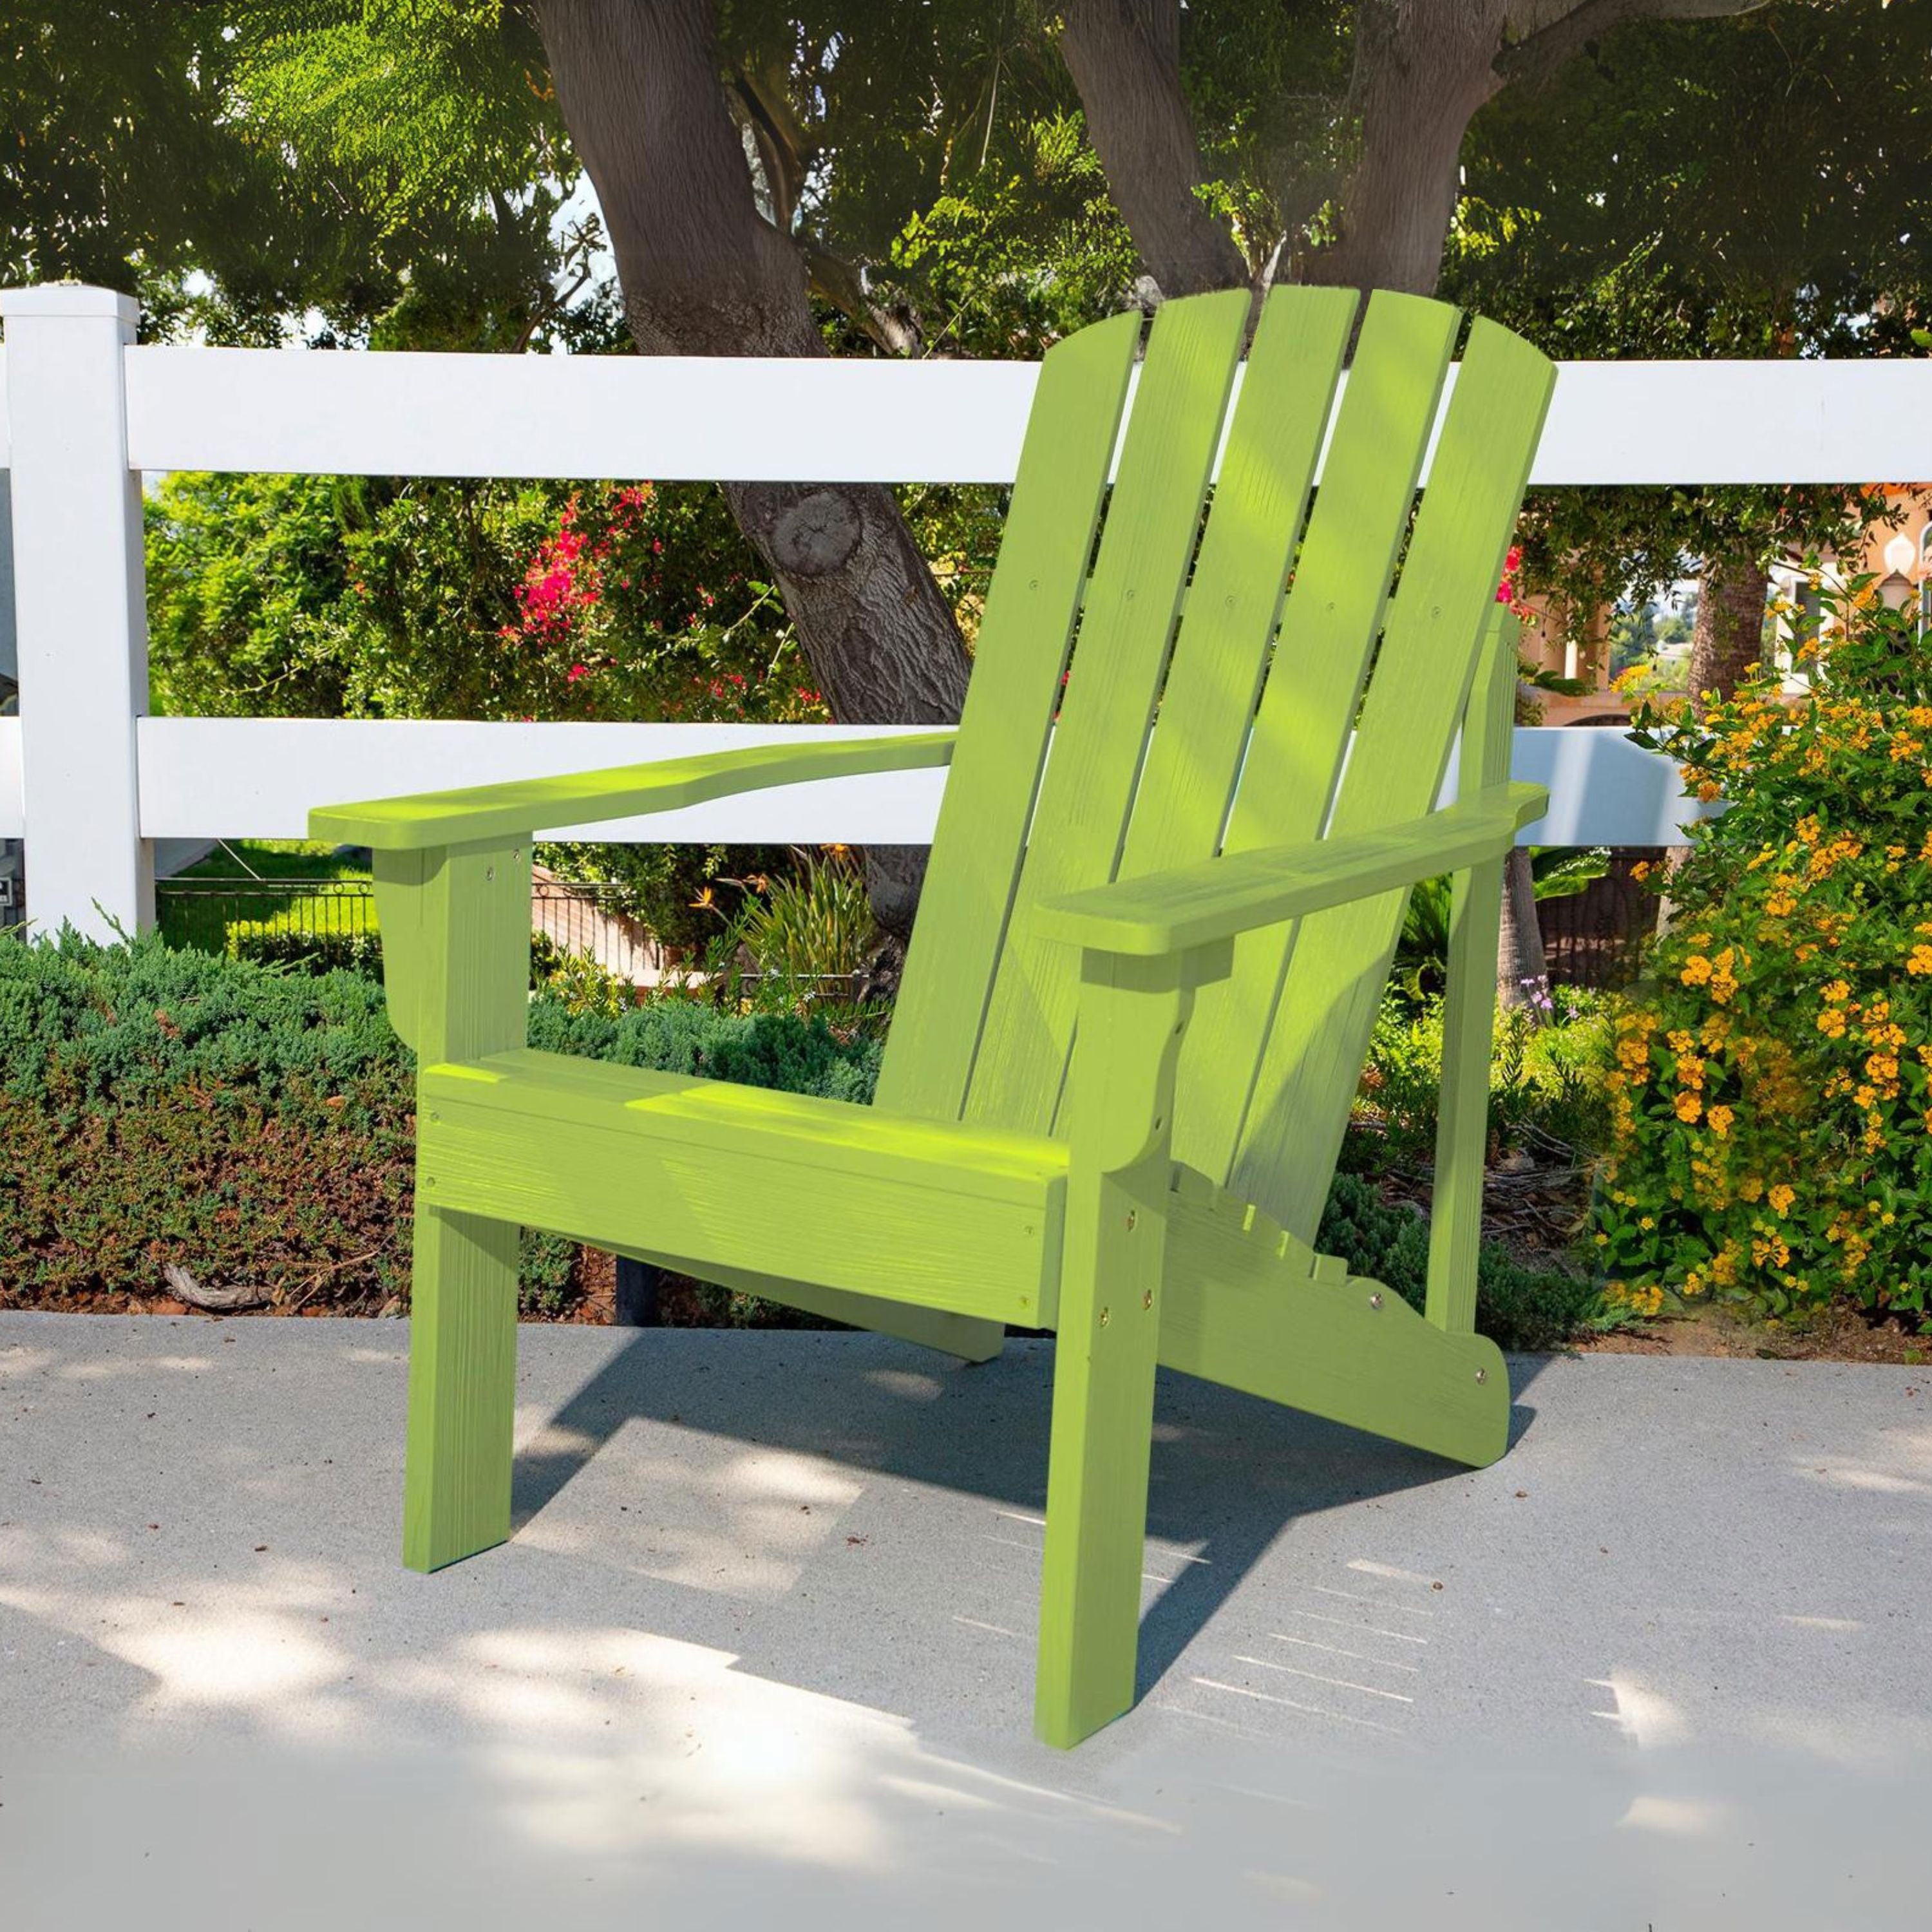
[763, 1643]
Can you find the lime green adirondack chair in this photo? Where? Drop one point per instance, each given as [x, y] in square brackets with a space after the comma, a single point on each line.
[1141, 984]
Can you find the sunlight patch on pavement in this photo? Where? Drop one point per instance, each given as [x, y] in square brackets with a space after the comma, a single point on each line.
[1681, 1817]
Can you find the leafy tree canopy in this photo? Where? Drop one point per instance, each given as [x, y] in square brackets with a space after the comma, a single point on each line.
[1750, 187]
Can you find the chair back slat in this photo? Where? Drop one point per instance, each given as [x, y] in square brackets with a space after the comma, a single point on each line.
[1416, 699]
[1245, 682]
[1024, 633]
[1119, 656]
[1234, 599]
[1329, 626]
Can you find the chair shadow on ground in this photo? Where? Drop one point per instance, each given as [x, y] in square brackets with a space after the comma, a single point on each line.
[1230, 1472]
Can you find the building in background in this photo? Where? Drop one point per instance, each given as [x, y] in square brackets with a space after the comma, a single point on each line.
[1896, 555]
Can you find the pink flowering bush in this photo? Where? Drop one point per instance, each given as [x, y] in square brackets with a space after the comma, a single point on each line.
[595, 601]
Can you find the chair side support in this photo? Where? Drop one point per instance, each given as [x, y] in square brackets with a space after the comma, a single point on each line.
[1469, 1007]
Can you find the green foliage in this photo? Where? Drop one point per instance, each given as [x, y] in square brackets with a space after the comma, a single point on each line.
[411, 100]
[1638, 633]
[1517, 1307]
[237, 162]
[246, 580]
[976, 253]
[1730, 187]
[671, 890]
[282, 943]
[1772, 1083]
[220, 905]
[1544, 1083]
[808, 935]
[546, 1274]
[673, 1035]
[162, 1106]
[1422, 954]
[320, 596]
[255, 1126]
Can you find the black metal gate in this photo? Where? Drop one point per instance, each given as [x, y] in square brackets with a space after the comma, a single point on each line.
[1596, 937]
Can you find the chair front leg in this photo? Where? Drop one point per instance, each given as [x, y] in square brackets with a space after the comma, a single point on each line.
[456, 926]
[1132, 1015]
[463, 1383]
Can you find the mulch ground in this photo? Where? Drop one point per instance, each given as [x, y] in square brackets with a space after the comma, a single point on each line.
[1832, 1335]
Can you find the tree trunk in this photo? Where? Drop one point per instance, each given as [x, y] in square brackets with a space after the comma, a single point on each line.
[1522, 968]
[703, 273]
[1729, 633]
[1124, 56]
[1422, 68]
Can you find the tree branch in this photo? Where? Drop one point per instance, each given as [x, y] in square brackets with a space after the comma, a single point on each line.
[837, 281]
[1544, 49]
[1124, 57]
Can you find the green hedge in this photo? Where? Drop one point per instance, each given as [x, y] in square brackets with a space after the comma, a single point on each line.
[1517, 1307]
[310, 951]
[254, 1124]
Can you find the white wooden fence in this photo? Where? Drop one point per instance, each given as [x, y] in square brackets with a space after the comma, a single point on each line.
[92, 781]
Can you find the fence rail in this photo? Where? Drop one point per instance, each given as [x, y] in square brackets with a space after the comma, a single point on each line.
[221, 915]
[92, 780]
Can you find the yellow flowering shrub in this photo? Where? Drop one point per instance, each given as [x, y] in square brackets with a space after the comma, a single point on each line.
[1770, 1079]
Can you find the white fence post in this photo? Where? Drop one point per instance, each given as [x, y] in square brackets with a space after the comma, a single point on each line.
[80, 603]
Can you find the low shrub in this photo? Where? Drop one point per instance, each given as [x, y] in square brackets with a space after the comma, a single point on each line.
[1516, 1306]
[752, 1049]
[1772, 1083]
[1545, 1079]
[156, 1105]
[268, 945]
[255, 1125]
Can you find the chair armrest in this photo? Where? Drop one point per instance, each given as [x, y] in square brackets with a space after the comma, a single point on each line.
[520, 808]
[1190, 906]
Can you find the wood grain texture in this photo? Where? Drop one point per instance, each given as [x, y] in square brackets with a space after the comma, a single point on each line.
[1424, 669]
[1469, 1005]
[1225, 897]
[1119, 659]
[1328, 630]
[1133, 1014]
[699, 1115]
[1042, 1076]
[1233, 602]
[1024, 634]
[971, 1338]
[462, 1382]
[460, 971]
[1247, 1307]
[412, 962]
[645, 1162]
